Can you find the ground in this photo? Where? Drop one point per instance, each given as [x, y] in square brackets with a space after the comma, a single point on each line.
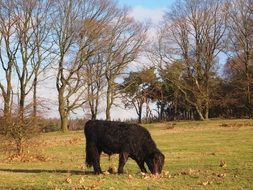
[216, 154]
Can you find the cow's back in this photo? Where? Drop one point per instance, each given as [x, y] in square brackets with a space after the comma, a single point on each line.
[113, 137]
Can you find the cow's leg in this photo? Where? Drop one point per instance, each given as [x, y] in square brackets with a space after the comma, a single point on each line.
[141, 166]
[96, 160]
[123, 156]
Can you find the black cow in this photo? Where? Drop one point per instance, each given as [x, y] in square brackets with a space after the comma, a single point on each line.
[128, 140]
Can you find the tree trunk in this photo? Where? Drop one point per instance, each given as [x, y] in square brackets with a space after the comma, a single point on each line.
[93, 116]
[63, 112]
[147, 111]
[22, 101]
[64, 123]
[7, 96]
[248, 94]
[96, 106]
[175, 115]
[201, 117]
[19, 145]
[92, 111]
[140, 114]
[108, 102]
[7, 102]
[207, 111]
[35, 97]
[108, 113]
[93, 103]
[161, 111]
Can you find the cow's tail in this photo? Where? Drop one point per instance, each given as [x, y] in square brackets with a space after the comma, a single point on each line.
[89, 158]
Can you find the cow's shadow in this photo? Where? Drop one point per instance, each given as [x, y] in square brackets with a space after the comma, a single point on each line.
[74, 172]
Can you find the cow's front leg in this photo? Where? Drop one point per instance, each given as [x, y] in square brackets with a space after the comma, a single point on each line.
[123, 156]
[141, 166]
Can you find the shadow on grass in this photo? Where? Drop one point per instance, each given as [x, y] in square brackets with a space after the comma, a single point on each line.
[75, 172]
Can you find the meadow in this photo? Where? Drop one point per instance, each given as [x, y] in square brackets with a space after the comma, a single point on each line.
[216, 154]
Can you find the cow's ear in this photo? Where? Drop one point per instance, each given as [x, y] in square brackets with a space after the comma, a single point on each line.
[159, 156]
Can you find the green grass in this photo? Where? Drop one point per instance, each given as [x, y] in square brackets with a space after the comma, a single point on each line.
[193, 152]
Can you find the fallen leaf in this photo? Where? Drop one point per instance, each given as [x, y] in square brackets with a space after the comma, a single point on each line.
[188, 172]
[146, 177]
[223, 164]
[155, 176]
[68, 180]
[81, 180]
[106, 173]
[165, 173]
[221, 175]
[143, 174]
[205, 183]
[95, 187]
[83, 167]
[112, 170]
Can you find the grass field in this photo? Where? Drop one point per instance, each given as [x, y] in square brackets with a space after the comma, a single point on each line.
[199, 155]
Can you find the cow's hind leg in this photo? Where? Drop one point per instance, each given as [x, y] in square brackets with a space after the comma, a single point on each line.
[123, 156]
[96, 160]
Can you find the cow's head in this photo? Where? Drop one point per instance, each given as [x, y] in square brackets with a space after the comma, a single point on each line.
[155, 162]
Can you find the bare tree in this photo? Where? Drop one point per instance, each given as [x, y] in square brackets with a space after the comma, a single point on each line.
[8, 50]
[192, 37]
[75, 30]
[21, 43]
[240, 45]
[95, 79]
[29, 16]
[94, 69]
[42, 57]
[126, 38]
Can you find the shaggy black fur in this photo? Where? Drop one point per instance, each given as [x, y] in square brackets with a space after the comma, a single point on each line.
[128, 140]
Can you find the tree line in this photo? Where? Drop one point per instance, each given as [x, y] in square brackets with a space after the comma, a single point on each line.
[202, 63]
[87, 46]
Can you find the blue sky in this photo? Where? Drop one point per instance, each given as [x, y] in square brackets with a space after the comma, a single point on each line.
[147, 3]
[152, 10]
[141, 10]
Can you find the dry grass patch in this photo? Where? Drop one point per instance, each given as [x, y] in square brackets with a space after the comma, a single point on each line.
[198, 156]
